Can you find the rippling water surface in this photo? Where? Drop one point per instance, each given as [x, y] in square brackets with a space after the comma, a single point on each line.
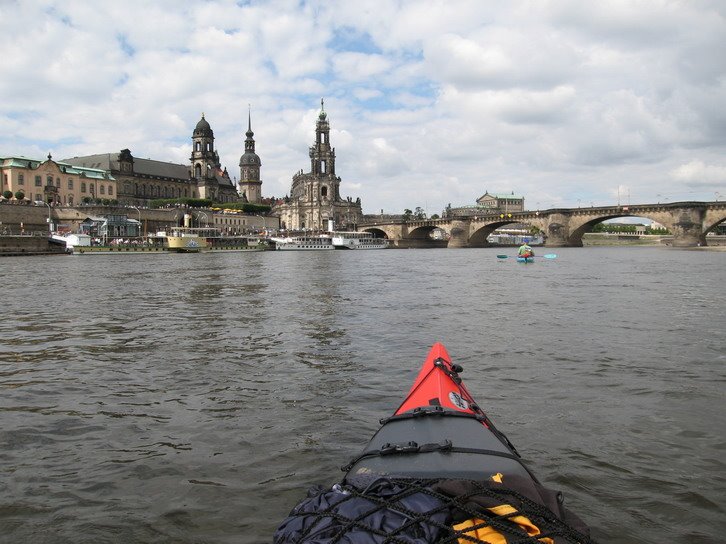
[195, 398]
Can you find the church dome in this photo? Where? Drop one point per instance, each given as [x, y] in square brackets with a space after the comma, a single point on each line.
[203, 128]
[249, 159]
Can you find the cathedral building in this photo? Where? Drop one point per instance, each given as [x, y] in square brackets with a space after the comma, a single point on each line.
[139, 181]
[315, 196]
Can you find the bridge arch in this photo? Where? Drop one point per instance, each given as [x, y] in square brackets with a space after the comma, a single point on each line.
[578, 232]
[422, 233]
[376, 232]
[713, 223]
[479, 237]
[579, 226]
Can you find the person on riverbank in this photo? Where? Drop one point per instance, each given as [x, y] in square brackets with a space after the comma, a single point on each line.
[525, 250]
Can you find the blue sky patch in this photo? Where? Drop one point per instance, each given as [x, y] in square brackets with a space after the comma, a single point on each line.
[125, 45]
[348, 38]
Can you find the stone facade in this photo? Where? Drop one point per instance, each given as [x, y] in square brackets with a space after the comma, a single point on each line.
[56, 183]
[501, 202]
[315, 196]
[488, 203]
[141, 180]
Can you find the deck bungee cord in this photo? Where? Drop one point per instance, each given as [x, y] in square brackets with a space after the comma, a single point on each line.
[404, 510]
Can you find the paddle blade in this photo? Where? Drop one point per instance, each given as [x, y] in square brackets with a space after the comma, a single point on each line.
[550, 256]
[502, 256]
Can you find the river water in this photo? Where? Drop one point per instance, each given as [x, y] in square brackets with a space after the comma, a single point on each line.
[166, 398]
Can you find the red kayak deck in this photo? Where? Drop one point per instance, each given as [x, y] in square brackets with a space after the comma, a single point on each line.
[438, 431]
[438, 384]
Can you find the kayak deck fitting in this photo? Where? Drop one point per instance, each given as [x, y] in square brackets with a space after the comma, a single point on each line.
[437, 470]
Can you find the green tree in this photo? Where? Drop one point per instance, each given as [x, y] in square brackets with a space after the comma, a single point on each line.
[434, 216]
[419, 213]
[8, 194]
[246, 207]
[19, 195]
[407, 214]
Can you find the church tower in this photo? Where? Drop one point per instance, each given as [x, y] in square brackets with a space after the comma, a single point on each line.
[250, 184]
[315, 196]
[205, 160]
[322, 156]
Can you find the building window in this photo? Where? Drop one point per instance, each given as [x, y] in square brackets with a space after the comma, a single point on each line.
[49, 180]
[5, 179]
[57, 182]
[102, 190]
[197, 146]
[70, 184]
[21, 179]
[110, 190]
[38, 181]
[83, 186]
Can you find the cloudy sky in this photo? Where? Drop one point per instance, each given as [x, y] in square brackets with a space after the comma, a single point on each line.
[430, 102]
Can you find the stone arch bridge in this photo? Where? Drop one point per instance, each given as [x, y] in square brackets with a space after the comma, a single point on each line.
[689, 222]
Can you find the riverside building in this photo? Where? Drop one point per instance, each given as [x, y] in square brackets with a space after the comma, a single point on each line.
[141, 180]
[53, 182]
[315, 195]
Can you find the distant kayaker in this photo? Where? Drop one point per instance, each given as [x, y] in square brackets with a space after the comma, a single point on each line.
[525, 250]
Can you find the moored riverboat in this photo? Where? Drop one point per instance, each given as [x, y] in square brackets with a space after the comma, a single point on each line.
[194, 240]
[357, 240]
[303, 243]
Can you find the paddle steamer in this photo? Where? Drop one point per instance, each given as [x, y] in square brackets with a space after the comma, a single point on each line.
[194, 240]
[357, 240]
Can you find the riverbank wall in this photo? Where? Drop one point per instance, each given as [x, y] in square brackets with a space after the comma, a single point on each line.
[30, 245]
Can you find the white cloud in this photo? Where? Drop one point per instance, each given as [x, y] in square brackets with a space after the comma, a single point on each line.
[561, 101]
[698, 174]
[359, 67]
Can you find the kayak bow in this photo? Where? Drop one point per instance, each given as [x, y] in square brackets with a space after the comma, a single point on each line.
[441, 429]
[436, 471]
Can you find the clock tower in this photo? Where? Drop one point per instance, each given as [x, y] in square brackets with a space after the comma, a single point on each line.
[250, 184]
